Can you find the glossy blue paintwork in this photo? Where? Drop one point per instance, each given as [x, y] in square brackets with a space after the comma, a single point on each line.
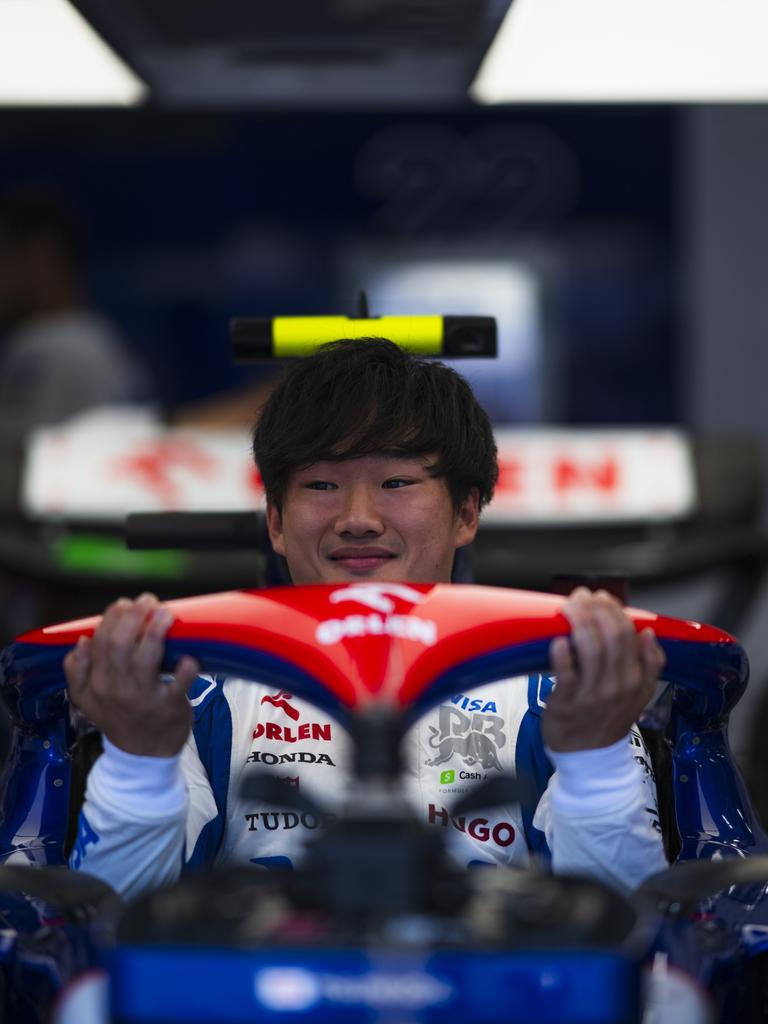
[39, 952]
[350, 986]
[35, 780]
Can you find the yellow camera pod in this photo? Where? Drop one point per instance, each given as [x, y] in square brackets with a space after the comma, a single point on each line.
[452, 337]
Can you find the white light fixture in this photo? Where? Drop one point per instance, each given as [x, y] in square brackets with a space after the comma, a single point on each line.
[627, 51]
[50, 56]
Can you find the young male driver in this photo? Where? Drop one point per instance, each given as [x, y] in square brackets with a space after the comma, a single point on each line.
[376, 467]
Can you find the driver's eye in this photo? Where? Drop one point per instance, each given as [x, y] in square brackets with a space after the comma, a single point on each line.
[320, 485]
[396, 481]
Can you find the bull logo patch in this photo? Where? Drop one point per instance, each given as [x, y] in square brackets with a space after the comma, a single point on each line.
[476, 739]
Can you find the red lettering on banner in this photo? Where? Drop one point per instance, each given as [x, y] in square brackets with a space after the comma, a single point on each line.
[152, 465]
[254, 481]
[570, 475]
[510, 471]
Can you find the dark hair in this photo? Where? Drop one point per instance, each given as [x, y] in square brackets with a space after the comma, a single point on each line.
[362, 396]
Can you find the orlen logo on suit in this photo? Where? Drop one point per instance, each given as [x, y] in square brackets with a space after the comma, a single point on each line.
[286, 733]
[293, 734]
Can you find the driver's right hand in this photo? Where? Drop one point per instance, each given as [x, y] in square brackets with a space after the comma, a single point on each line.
[114, 679]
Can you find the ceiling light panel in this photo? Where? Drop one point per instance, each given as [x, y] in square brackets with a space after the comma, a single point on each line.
[50, 56]
[619, 51]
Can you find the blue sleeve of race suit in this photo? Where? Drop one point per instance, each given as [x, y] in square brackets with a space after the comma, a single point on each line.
[532, 766]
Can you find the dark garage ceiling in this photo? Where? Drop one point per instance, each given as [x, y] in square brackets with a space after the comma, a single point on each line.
[300, 53]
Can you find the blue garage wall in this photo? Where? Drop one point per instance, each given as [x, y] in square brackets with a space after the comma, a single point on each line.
[196, 217]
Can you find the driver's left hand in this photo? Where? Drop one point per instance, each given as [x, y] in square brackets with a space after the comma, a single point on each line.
[606, 674]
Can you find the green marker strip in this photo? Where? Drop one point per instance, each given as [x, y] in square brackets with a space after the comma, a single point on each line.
[106, 556]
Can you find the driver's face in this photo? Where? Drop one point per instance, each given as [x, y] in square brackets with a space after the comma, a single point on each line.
[378, 517]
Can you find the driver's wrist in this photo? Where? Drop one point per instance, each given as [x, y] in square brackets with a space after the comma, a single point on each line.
[142, 786]
[596, 781]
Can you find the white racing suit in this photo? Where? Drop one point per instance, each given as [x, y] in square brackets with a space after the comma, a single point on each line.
[145, 819]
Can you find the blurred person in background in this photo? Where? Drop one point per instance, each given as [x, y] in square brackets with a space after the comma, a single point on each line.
[57, 355]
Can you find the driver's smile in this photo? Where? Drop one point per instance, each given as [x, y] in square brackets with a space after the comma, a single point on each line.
[361, 560]
[382, 517]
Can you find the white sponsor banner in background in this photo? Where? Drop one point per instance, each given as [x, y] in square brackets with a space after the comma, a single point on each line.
[110, 462]
[597, 475]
